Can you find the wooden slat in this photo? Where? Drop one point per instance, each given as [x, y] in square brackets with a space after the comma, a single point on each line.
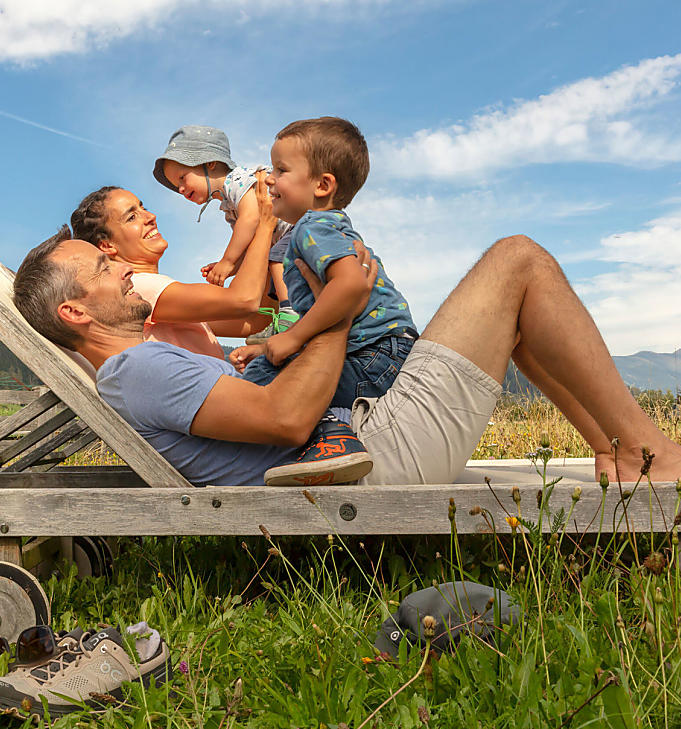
[47, 448]
[70, 383]
[12, 423]
[18, 397]
[413, 509]
[39, 550]
[10, 550]
[19, 446]
[73, 477]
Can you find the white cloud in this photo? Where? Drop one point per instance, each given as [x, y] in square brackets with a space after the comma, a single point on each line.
[32, 30]
[595, 119]
[638, 304]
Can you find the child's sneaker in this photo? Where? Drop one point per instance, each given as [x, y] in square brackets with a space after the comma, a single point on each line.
[89, 670]
[334, 454]
[281, 321]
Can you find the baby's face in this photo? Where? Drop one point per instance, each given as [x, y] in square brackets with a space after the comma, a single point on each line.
[190, 181]
[291, 187]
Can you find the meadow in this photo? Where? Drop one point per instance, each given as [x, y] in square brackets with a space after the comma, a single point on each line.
[269, 632]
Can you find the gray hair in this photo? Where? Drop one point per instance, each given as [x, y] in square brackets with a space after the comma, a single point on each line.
[41, 285]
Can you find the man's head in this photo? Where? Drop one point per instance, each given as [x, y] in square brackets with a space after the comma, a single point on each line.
[317, 164]
[64, 287]
[116, 221]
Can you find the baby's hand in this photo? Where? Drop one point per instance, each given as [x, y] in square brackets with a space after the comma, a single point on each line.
[281, 346]
[241, 356]
[218, 272]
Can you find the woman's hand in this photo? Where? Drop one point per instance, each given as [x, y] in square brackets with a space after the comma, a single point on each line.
[241, 356]
[262, 195]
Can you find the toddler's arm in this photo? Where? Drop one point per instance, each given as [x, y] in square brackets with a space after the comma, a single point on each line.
[345, 294]
[242, 235]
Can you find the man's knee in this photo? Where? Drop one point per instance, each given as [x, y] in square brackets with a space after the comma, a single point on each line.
[520, 252]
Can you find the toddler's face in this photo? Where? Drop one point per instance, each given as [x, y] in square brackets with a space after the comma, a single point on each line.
[291, 187]
[190, 181]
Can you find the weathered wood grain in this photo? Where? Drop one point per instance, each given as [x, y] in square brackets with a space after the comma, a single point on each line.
[76, 389]
[407, 509]
[11, 423]
[18, 397]
[60, 418]
[48, 446]
[10, 550]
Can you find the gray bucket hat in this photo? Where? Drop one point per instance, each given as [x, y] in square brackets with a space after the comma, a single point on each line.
[194, 145]
[456, 607]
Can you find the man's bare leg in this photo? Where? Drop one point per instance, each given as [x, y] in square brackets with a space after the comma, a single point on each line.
[517, 294]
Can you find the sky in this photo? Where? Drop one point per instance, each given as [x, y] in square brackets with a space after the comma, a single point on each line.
[484, 118]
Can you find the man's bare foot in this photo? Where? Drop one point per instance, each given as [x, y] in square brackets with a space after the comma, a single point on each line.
[666, 464]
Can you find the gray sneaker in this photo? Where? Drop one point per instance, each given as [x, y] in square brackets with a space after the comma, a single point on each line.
[86, 669]
[283, 319]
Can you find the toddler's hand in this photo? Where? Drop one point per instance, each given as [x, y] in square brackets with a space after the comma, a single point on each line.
[241, 356]
[205, 270]
[219, 272]
[281, 346]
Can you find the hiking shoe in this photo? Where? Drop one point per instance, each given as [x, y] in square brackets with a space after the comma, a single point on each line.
[281, 321]
[334, 454]
[89, 670]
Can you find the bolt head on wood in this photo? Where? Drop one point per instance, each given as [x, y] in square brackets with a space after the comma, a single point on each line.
[184, 499]
[216, 503]
[347, 511]
[4, 528]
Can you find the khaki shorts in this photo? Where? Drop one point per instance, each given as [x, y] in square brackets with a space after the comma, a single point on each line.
[424, 429]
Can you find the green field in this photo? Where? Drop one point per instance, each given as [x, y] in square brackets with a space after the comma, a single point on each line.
[279, 633]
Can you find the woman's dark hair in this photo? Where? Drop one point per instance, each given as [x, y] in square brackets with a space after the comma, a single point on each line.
[88, 220]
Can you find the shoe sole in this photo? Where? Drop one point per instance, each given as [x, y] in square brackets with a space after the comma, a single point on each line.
[343, 469]
[162, 673]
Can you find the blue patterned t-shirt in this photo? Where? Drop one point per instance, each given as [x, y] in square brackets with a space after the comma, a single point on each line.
[322, 237]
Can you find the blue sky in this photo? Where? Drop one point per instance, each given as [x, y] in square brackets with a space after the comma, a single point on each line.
[561, 120]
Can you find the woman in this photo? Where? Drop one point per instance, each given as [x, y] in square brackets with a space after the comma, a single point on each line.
[188, 315]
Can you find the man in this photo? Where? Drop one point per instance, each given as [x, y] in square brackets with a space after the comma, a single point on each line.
[216, 428]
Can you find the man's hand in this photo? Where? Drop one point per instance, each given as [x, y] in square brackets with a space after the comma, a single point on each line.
[241, 356]
[217, 273]
[280, 347]
[364, 259]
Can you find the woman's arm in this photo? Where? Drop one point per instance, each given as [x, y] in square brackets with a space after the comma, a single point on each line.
[204, 302]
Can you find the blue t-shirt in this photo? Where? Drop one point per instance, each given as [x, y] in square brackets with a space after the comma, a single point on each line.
[322, 237]
[158, 388]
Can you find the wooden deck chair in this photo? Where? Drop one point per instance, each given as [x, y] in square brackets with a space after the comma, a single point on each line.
[62, 501]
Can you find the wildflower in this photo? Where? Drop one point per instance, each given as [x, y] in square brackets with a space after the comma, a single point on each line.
[647, 460]
[429, 624]
[655, 562]
[366, 660]
[159, 574]
[273, 552]
[626, 494]
[452, 510]
[183, 667]
[475, 511]
[515, 493]
[264, 531]
[244, 546]
[577, 494]
[658, 597]
[544, 441]
[513, 522]
[309, 496]
[259, 652]
[329, 539]
[501, 567]
[604, 480]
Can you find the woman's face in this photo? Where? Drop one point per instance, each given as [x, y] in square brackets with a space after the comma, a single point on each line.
[133, 235]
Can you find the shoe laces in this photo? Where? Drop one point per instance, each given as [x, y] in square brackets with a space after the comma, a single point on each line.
[70, 656]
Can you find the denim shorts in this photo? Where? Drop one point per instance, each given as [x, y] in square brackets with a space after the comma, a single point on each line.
[367, 372]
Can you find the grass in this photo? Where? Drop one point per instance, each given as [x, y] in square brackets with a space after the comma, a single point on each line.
[278, 633]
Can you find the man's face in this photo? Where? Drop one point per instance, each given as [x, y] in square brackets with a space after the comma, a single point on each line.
[132, 229]
[189, 181]
[110, 298]
[290, 185]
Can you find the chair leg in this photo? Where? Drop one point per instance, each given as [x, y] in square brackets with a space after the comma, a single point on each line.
[10, 550]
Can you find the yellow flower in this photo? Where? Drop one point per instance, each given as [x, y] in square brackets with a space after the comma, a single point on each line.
[513, 522]
[366, 659]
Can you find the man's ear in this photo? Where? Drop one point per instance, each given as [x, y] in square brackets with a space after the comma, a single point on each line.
[326, 187]
[73, 312]
[106, 246]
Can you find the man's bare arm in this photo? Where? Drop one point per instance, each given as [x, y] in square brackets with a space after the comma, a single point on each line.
[284, 412]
